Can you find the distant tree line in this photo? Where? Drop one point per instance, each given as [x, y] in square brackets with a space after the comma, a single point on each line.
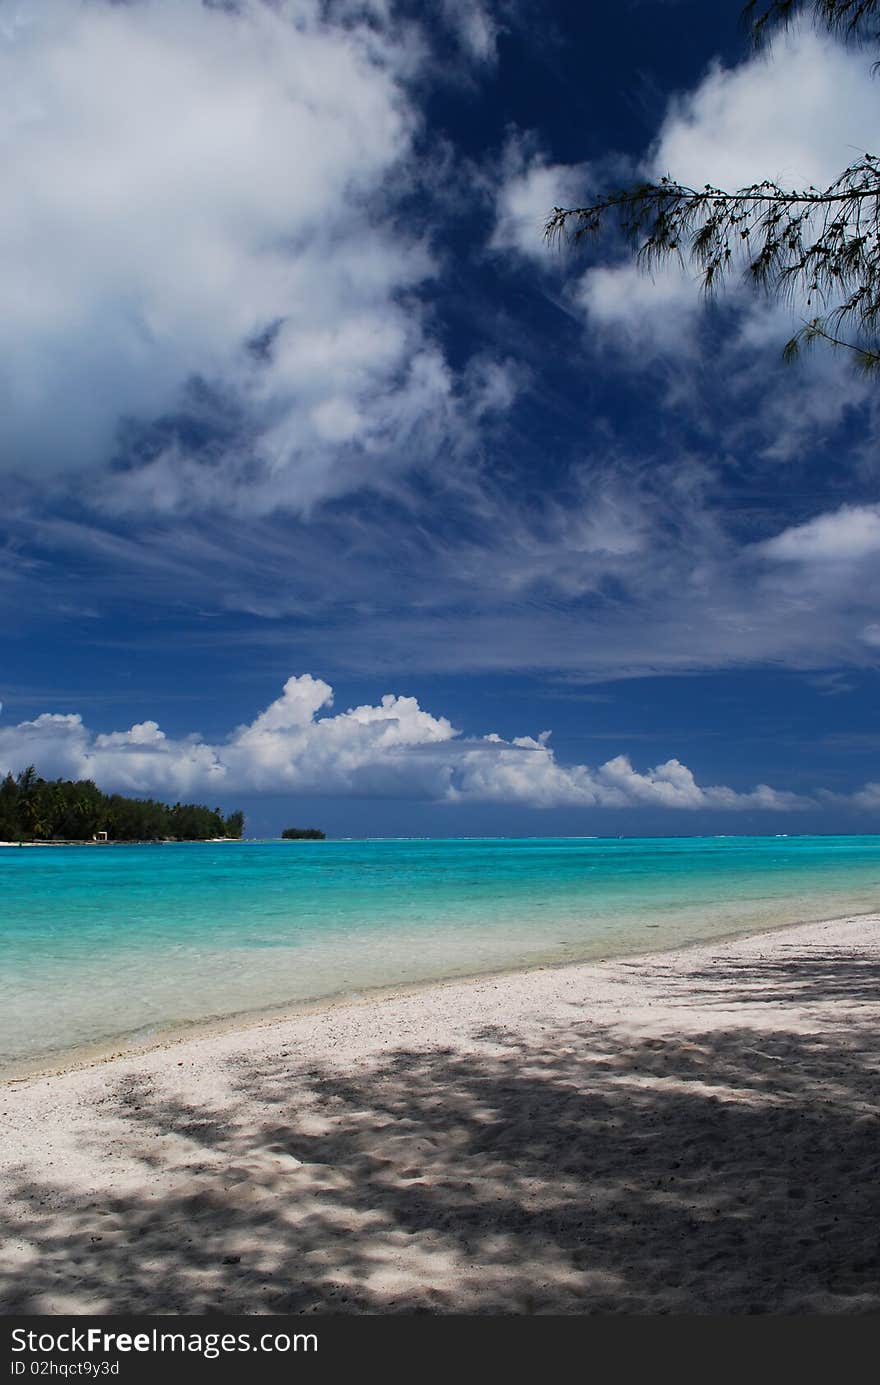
[36, 809]
[303, 834]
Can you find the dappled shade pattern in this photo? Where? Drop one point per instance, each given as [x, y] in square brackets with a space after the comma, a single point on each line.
[734, 1171]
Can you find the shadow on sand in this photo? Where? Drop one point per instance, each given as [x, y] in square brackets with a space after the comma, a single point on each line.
[735, 1171]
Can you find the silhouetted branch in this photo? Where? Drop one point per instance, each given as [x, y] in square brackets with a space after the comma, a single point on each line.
[821, 243]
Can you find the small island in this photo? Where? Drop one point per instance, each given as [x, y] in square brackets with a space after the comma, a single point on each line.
[303, 834]
[33, 809]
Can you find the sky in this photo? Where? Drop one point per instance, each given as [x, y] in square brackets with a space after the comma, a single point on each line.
[333, 492]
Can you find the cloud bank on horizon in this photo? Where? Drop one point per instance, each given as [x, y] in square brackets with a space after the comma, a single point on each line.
[393, 749]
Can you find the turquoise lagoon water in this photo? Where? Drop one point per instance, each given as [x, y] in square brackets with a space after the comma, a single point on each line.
[107, 944]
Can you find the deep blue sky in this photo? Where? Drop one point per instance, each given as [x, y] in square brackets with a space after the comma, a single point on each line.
[294, 386]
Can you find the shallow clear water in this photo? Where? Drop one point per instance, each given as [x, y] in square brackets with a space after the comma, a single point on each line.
[101, 944]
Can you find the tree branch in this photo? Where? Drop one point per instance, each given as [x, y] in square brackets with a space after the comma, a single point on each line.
[868, 360]
[819, 245]
[852, 19]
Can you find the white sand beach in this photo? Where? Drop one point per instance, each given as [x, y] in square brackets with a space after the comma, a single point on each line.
[688, 1132]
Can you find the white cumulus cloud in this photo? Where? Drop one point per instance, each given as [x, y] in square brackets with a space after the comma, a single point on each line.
[777, 116]
[207, 193]
[847, 534]
[528, 190]
[392, 749]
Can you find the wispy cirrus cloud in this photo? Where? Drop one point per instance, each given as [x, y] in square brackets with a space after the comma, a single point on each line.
[476, 26]
[624, 569]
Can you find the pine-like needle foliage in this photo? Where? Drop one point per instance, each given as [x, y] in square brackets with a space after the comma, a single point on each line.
[813, 244]
[856, 19]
